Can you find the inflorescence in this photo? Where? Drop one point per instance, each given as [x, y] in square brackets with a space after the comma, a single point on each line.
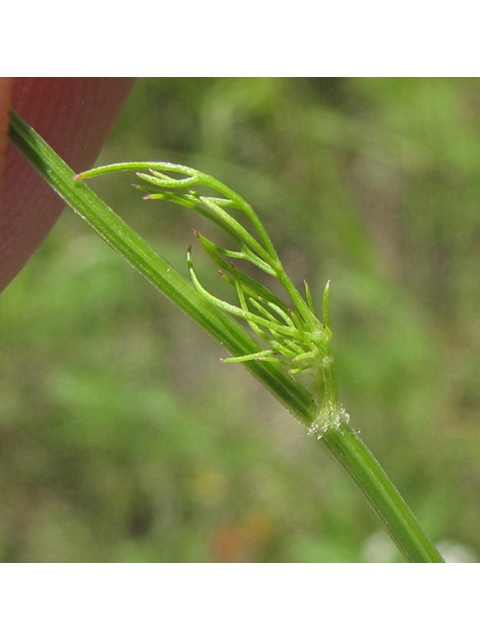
[294, 335]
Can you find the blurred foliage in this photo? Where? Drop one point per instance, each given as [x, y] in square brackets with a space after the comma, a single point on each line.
[122, 437]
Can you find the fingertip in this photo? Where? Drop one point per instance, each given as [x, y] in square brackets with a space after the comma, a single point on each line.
[75, 116]
[5, 98]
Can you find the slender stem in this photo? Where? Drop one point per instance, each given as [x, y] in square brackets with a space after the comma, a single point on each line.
[340, 439]
[351, 452]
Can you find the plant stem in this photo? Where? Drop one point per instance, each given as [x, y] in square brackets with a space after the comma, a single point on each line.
[351, 452]
[341, 440]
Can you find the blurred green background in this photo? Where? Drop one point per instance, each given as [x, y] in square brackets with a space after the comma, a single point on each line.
[122, 437]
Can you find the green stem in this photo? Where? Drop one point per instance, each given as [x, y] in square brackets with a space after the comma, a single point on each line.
[340, 439]
[347, 447]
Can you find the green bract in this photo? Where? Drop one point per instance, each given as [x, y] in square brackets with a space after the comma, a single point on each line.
[294, 334]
